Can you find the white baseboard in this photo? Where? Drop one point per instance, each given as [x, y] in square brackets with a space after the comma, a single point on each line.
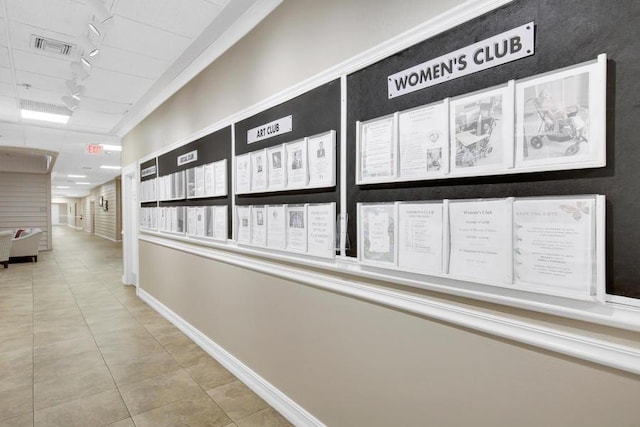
[270, 394]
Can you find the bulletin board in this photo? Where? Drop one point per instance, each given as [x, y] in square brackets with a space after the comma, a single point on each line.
[211, 148]
[314, 112]
[148, 165]
[566, 33]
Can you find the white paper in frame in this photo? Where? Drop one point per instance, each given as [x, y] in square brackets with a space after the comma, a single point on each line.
[259, 225]
[321, 225]
[220, 222]
[220, 178]
[377, 234]
[243, 224]
[322, 159]
[377, 150]
[243, 173]
[259, 171]
[209, 180]
[296, 226]
[423, 141]
[481, 130]
[561, 118]
[297, 167]
[277, 159]
[421, 235]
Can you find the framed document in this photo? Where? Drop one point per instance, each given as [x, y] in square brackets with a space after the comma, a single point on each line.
[209, 221]
[179, 185]
[259, 167]
[481, 240]
[173, 211]
[376, 150]
[191, 221]
[209, 180]
[322, 159]
[220, 222]
[200, 221]
[243, 227]
[377, 234]
[561, 117]
[423, 141]
[258, 225]
[297, 176]
[180, 219]
[321, 236]
[243, 174]
[296, 228]
[554, 244]
[277, 167]
[200, 185]
[220, 177]
[420, 237]
[481, 131]
[276, 227]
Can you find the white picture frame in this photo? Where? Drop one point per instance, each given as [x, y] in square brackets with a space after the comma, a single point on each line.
[377, 234]
[243, 173]
[322, 159]
[297, 167]
[277, 159]
[377, 150]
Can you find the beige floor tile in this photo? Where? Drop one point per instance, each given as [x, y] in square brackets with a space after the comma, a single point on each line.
[210, 374]
[143, 368]
[154, 392]
[237, 400]
[16, 369]
[61, 334]
[266, 418]
[198, 410]
[16, 342]
[124, 423]
[25, 420]
[189, 354]
[109, 325]
[46, 369]
[95, 410]
[93, 380]
[64, 348]
[16, 401]
[121, 353]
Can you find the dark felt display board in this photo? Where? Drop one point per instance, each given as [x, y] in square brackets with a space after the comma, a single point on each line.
[146, 165]
[211, 148]
[314, 112]
[567, 32]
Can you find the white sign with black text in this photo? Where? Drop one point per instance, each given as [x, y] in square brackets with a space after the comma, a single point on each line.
[188, 158]
[268, 130]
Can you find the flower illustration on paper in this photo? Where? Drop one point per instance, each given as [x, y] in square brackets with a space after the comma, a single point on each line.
[576, 211]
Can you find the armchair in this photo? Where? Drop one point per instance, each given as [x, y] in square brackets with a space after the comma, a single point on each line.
[26, 245]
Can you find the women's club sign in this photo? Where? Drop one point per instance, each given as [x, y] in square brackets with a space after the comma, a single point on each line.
[497, 50]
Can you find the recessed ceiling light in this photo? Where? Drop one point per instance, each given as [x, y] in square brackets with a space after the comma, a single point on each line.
[107, 147]
[110, 167]
[94, 29]
[62, 186]
[83, 183]
[77, 176]
[86, 62]
[45, 117]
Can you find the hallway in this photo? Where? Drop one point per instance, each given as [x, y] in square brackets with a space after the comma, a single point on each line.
[77, 348]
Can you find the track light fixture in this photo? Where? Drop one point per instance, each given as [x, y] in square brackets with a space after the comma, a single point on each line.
[85, 62]
[79, 71]
[100, 12]
[70, 103]
[89, 48]
[75, 90]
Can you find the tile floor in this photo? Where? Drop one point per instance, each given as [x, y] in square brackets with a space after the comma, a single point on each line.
[77, 348]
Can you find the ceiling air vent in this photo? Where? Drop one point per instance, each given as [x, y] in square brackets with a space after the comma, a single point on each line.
[52, 46]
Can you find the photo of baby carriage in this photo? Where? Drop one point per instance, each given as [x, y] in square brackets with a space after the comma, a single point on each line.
[474, 125]
[558, 124]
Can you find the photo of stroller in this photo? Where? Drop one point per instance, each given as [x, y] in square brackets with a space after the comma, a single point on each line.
[557, 124]
[474, 126]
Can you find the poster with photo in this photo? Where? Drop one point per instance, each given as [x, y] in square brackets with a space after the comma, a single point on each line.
[209, 220]
[277, 168]
[243, 225]
[191, 221]
[377, 233]
[296, 155]
[243, 174]
[423, 141]
[296, 224]
[200, 221]
[258, 225]
[220, 177]
[377, 156]
[259, 167]
[560, 117]
[322, 160]
[481, 131]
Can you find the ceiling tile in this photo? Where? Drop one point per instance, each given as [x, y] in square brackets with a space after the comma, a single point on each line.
[42, 64]
[131, 63]
[102, 106]
[60, 16]
[140, 38]
[41, 82]
[90, 120]
[7, 89]
[116, 87]
[39, 95]
[8, 110]
[6, 75]
[186, 17]
[3, 32]
[4, 57]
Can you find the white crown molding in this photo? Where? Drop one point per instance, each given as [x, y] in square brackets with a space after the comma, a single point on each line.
[274, 397]
[247, 21]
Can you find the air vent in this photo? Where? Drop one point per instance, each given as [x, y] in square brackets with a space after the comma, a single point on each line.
[44, 107]
[52, 46]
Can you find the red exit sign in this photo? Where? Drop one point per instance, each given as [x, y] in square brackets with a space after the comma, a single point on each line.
[94, 149]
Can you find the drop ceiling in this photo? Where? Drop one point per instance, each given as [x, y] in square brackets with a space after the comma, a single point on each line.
[149, 46]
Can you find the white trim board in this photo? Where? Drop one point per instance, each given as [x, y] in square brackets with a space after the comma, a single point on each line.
[575, 344]
[274, 397]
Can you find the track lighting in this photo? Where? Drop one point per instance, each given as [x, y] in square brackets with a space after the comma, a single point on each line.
[89, 48]
[79, 71]
[100, 12]
[71, 103]
[75, 90]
